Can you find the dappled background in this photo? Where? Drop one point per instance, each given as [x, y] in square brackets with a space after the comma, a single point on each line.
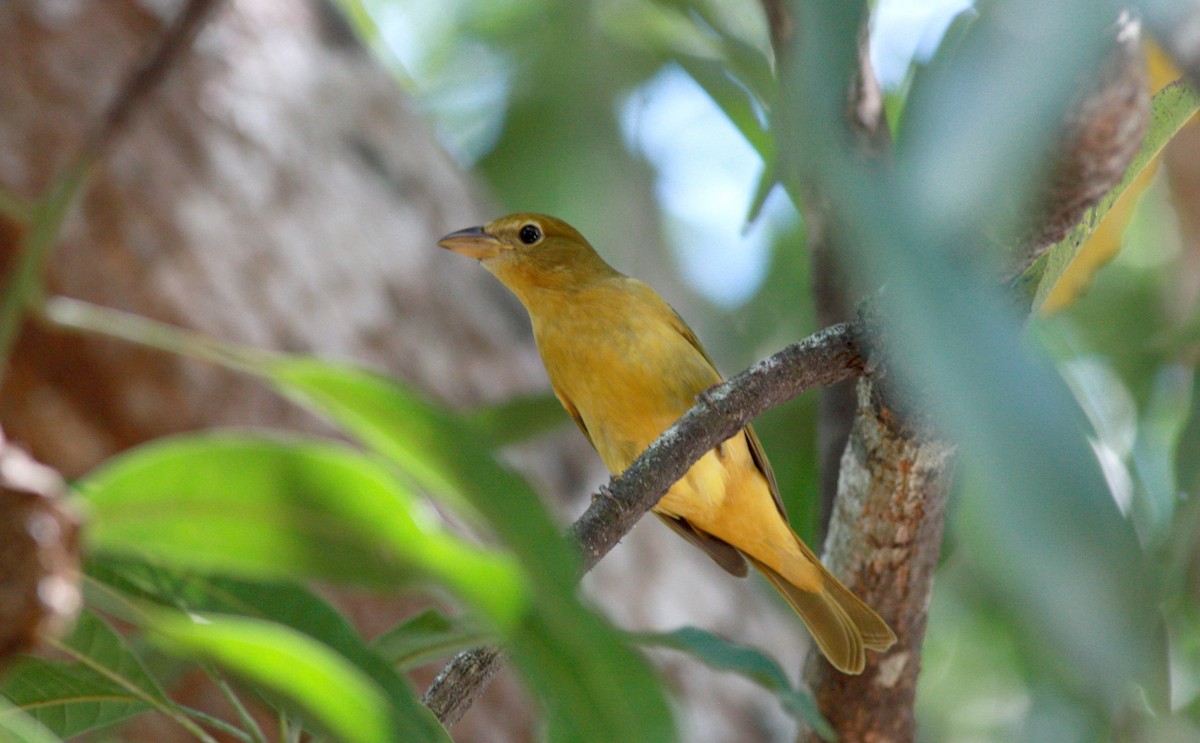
[584, 111]
[285, 188]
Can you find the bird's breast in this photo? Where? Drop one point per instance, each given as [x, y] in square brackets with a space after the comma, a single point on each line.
[624, 368]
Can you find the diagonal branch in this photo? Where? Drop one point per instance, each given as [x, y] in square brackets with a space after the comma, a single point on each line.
[831, 355]
[23, 286]
[146, 77]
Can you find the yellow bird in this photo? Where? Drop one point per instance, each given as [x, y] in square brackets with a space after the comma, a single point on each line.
[626, 367]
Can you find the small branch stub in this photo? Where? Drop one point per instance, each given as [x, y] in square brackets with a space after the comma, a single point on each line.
[39, 553]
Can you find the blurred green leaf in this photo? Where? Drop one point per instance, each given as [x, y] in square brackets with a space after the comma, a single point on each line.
[428, 636]
[767, 180]
[657, 27]
[18, 727]
[304, 671]
[735, 101]
[275, 507]
[103, 684]
[519, 419]
[286, 604]
[1158, 433]
[594, 686]
[744, 42]
[360, 20]
[1061, 560]
[1170, 109]
[751, 663]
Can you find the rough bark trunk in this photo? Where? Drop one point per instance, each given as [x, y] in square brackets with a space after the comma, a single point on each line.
[884, 541]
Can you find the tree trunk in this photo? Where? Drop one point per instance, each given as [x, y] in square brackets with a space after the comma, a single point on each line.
[884, 541]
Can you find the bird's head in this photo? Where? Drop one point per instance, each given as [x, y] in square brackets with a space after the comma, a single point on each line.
[531, 250]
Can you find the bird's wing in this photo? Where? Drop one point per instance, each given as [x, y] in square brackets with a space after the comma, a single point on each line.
[756, 450]
[575, 416]
[760, 461]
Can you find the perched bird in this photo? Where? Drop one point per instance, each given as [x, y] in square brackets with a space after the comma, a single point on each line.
[626, 367]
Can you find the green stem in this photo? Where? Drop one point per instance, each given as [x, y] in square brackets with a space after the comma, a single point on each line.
[75, 314]
[24, 285]
[289, 729]
[248, 720]
[119, 605]
[164, 706]
[217, 723]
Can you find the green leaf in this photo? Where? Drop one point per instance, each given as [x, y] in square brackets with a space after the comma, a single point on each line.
[275, 507]
[593, 685]
[339, 696]
[432, 446]
[1154, 453]
[751, 663]
[519, 419]
[1170, 109]
[286, 604]
[18, 727]
[104, 684]
[1059, 557]
[738, 104]
[428, 636]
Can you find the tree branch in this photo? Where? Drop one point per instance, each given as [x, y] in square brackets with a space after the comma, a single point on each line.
[146, 77]
[886, 483]
[826, 357]
[23, 286]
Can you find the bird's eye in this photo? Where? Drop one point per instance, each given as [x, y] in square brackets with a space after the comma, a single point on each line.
[530, 234]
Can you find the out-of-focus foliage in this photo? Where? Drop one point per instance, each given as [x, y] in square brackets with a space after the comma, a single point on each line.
[1063, 270]
[656, 127]
[1126, 352]
[752, 663]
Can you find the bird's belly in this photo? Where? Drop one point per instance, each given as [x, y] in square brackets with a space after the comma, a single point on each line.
[699, 495]
[725, 495]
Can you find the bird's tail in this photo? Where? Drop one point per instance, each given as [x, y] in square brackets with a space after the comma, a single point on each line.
[843, 626]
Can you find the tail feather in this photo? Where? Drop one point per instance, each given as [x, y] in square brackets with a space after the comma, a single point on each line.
[843, 626]
[876, 635]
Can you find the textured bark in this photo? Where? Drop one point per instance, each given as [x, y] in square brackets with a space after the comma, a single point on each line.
[884, 542]
[885, 534]
[282, 207]
[887, 486]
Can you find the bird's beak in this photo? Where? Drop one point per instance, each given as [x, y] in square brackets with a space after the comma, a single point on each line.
[473, 242]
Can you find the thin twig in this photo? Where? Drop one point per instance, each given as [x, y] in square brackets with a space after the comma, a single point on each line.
[253, 731]
[24, 285]
[161, 704]
[146, 77]
[828, 356]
